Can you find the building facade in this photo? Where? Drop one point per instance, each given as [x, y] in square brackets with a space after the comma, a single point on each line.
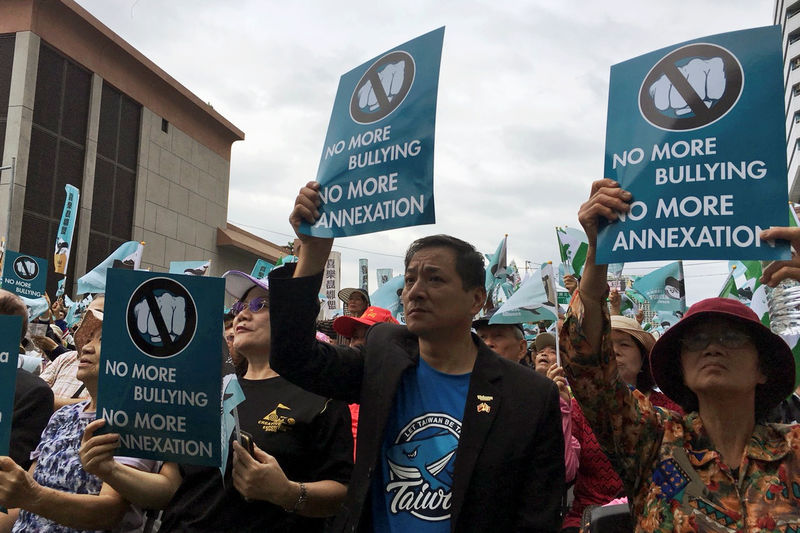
[80, 106]
[787, 15]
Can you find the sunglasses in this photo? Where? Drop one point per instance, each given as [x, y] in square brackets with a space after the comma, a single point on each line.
[728, 339]
[255, 305]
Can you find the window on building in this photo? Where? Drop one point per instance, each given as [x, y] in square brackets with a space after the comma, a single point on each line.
[57, 151]
[6, 64]
[795, 63]
[115, 174]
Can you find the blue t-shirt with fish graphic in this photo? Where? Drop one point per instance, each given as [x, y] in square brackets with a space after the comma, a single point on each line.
[414, 488]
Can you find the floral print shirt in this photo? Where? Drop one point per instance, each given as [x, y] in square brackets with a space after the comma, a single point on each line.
[674, 478]
[58, 466]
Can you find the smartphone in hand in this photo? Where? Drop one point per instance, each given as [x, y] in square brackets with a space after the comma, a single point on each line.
[246, 440]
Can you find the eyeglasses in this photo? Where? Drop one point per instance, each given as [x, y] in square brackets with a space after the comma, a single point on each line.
[255, 305]
[728, 339]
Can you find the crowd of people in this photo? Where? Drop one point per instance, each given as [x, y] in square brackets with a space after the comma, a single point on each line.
[449, 422]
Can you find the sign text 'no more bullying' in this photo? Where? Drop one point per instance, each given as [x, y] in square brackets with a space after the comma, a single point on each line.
[159, 385]
[695, 132]
[376, 169]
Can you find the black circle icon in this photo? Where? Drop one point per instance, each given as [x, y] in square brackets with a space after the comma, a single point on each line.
[384, 106]
[26, 267]
[701, 114]
[156, 309]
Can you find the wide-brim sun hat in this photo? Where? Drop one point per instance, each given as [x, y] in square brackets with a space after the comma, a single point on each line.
[775, 356]
[346, 293]
[91, 322]
[237, 283]
[634, 329]
[344, 325]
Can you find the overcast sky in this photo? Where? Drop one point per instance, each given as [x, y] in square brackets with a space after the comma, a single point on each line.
[521, 116]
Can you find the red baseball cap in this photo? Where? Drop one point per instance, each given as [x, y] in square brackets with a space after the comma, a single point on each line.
[344, 325]
[775, 356]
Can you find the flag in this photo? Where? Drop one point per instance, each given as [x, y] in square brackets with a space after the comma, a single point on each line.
[232, 396]
[66, 229]
[261, 269]
[496, 269]
[190, 268]
[528, 304]
[615, 269]
[384, 275]
[75, 309]
[60, 289]
[388, 297]
[128, 255]
[573, 246]
[729, 289]
[363, 273]
[665, 290]
[549, 283]
[513, 275]
[36, 306]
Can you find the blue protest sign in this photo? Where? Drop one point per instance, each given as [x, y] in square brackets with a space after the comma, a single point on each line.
[159, 387]
[10, 331]
[695, 131]
[25, 275]
[376, 169]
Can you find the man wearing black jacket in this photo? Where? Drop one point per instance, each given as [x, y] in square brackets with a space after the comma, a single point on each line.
[451, 436]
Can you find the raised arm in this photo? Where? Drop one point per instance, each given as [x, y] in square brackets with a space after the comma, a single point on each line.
[625, 423]
[314, 251]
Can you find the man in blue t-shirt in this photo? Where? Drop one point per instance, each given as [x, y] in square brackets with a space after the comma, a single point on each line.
[451, 436]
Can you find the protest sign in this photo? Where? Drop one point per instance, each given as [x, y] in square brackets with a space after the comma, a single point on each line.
[695, 131]
[10, 331]
[160, 384]
[376, 169]
[261, 269]
[331, 281]
[25, 275]
[66, 229]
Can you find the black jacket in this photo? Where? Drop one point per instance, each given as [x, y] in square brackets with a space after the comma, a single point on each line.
[509, 467]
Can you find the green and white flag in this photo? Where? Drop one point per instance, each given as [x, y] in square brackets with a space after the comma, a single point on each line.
[729, 289]
[573, 246]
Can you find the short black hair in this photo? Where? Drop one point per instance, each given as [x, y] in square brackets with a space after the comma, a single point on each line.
[469, 262]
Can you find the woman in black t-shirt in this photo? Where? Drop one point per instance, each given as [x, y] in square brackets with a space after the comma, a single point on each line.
[302, 456]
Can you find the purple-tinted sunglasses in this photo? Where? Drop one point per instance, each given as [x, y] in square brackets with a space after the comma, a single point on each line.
[255, 305]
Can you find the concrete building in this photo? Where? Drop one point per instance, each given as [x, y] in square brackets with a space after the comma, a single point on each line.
[80, 106]
[787, 14]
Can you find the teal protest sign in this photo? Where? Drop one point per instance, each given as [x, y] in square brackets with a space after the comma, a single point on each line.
[695, 132]
[10, 331]
[376, 169]
[25, 275]
[160, 384]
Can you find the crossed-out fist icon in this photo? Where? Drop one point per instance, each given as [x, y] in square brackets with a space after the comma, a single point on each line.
[391, 77]
[707, 78]
[173, 311]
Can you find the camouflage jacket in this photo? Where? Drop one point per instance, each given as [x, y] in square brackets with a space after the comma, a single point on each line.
[674, 478]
